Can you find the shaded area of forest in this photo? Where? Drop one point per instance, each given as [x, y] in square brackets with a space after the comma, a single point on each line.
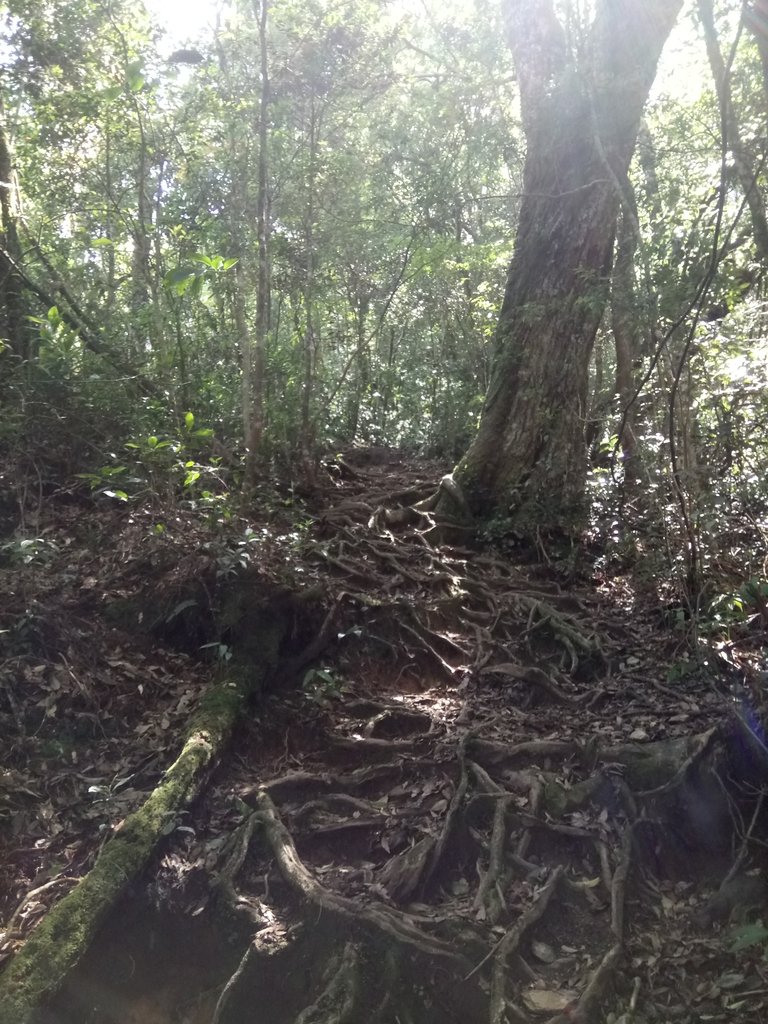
[499, 782]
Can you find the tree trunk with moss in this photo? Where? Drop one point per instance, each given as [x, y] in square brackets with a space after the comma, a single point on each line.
[582, 96]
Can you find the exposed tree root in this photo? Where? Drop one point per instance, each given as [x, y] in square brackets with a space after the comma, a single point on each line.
[469, 840]
[337, 1003]
[247, 962]
[376, 917]
[509, 944]
[495, 978]
[489, 901]
[62, 938]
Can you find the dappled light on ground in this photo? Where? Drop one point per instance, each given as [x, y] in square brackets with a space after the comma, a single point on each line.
[473, 792]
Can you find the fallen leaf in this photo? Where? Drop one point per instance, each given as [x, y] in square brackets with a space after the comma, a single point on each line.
[552, 1000]
[543, 952]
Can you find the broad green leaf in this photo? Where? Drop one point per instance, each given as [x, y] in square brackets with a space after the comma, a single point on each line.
[178, 276]
[134, 76]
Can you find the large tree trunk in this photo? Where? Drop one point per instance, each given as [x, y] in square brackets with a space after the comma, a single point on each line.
[582, 98]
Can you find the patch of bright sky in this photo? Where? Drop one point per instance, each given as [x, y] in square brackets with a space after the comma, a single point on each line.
[683, 69]
[185, 21]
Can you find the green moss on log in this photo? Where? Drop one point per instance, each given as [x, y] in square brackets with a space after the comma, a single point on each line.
[59, 941]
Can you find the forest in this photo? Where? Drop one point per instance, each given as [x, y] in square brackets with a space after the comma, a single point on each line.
[383, 512]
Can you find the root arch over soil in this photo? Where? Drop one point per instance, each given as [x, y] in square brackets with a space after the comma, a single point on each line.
[497, 908]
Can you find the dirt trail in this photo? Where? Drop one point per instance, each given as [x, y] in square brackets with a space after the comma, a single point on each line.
[480, 800]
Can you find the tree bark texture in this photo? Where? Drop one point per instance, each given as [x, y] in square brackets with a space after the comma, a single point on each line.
[582, 96]
[624, 324]
[142, 249]
[252, 340]
[259, 364]
[745, 165]
[756, 19]
[13, 330]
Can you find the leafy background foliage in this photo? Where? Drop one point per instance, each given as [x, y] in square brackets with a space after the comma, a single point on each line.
[393, 172]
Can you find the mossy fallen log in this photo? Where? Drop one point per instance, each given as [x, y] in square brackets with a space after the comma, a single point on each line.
[56, 945]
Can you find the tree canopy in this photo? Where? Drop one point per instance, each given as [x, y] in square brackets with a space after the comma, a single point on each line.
[383, 507]
[296, 228]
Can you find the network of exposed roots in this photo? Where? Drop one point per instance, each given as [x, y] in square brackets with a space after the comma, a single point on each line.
[492, 807]
[474, 795]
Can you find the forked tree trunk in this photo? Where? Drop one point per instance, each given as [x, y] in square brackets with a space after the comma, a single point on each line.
[582, 97]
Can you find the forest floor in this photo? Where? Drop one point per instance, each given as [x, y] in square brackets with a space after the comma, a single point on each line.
[483, 786]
